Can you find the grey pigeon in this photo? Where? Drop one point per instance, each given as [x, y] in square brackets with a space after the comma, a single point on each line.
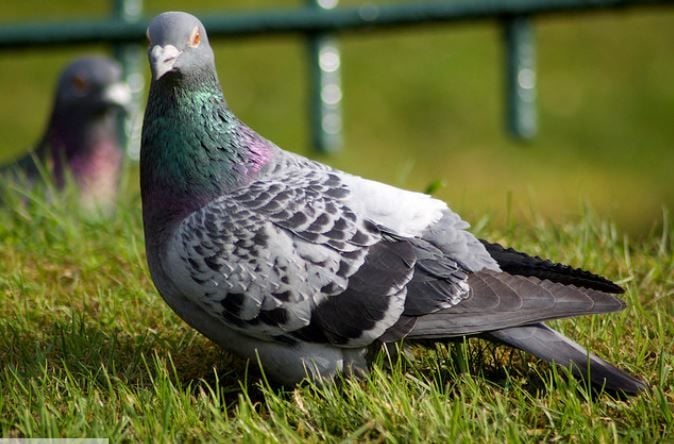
[275, 256]
[81, 137]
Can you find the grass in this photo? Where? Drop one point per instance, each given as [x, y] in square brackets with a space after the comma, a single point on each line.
[89, 349]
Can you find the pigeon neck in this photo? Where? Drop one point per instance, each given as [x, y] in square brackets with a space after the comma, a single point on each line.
[85, 147]
[76, 131]
[193, 148]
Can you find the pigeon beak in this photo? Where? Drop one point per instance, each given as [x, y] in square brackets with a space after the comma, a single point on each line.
[162, 59]
[118, 94]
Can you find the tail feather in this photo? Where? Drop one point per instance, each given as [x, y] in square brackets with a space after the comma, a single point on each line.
[549, 345]
[516, 262]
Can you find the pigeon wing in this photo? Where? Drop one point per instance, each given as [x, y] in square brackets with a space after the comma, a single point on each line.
[295, 257]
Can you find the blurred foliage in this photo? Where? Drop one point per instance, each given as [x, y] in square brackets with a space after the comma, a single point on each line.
[425, 105]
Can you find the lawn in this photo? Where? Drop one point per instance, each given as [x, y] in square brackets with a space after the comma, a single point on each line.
[89, 349]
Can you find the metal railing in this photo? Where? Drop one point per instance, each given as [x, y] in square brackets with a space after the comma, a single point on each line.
[320, 21]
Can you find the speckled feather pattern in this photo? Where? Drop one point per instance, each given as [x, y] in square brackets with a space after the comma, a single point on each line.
[265, 256]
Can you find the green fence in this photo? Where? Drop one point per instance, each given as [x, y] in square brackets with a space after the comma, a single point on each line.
[320, 21]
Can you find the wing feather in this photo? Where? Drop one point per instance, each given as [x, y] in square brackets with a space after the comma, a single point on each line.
[499, 300]
[290, 255]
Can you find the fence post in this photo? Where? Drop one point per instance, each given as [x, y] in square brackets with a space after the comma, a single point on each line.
[520, 53]
[325, 95]
[130, 56]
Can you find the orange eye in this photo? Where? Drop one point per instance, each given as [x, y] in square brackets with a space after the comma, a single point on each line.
[80, 83]
[195, 38]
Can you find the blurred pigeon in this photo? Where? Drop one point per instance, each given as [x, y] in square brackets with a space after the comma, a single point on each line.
[81, 138]
[273, 255]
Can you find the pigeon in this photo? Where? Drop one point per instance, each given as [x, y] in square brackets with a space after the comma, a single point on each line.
[81, 138]
[308, 269]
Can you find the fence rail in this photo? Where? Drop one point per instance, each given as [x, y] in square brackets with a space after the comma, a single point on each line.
[308, 19]
[319, 21]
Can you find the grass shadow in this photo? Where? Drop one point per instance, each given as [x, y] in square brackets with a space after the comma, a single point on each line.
[91, 354]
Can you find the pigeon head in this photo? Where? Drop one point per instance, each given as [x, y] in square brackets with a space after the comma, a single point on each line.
[91, 85]
[178, 46]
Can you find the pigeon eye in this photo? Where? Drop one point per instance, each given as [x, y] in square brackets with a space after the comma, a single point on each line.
[195, 38]
[80, 83]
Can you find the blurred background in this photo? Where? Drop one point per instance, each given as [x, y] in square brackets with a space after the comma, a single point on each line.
[425, 104]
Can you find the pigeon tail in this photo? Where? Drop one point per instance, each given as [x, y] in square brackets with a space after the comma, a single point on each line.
[550, 345]
[515, 262]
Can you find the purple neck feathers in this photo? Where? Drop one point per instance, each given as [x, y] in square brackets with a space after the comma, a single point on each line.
[87, 147]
